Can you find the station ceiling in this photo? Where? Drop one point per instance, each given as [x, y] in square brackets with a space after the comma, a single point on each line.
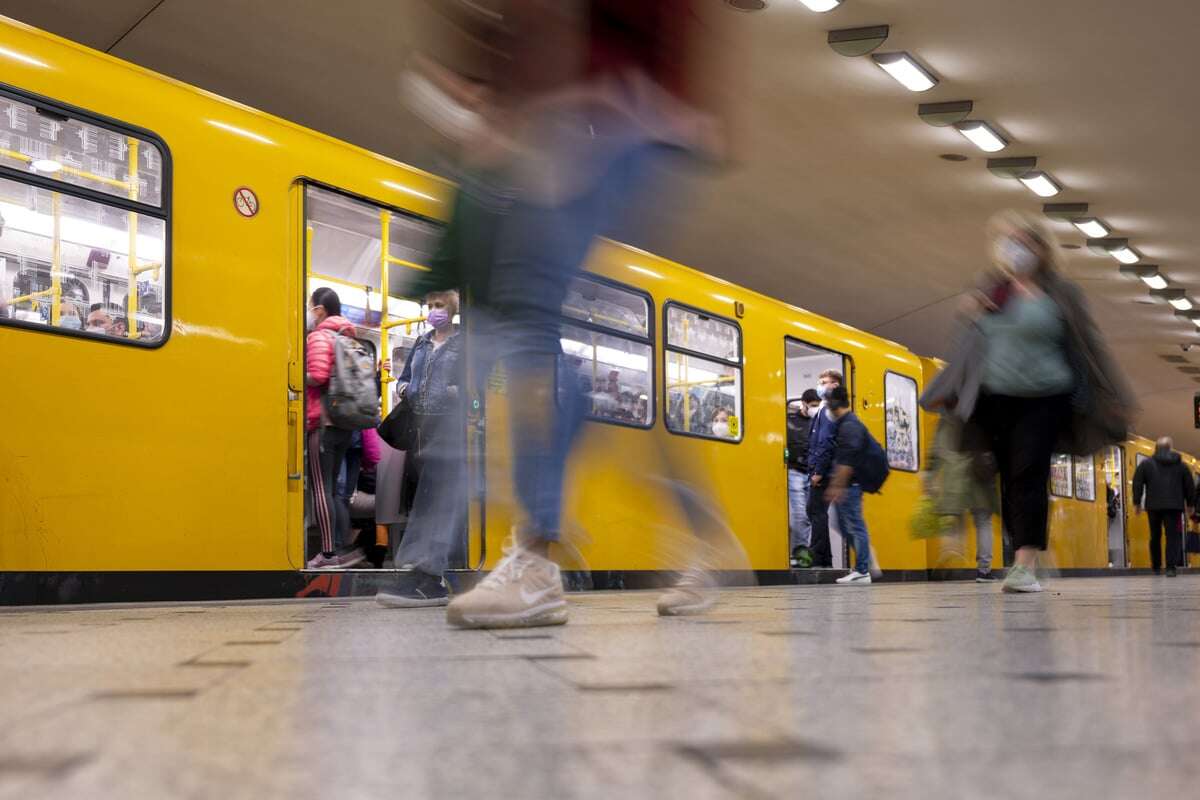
[840, 202]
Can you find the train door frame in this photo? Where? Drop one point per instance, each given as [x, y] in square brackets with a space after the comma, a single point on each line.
[1122, 516]
[847, 369]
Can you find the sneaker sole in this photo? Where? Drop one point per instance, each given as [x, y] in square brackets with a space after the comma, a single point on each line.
[686, 610]
[546, 614]
[1033, 588]
[859, 582]
[355, 560]
[400, 601]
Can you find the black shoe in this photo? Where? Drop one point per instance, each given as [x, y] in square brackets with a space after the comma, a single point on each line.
[984, 577]
[415, 591]
[1170, 572]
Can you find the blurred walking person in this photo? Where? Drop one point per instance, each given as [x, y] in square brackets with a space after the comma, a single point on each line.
[1163, 487]
[1031, 376]
[963, 484]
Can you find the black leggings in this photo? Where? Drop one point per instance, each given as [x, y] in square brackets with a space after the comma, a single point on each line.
[1021, 432]
[1171, 520]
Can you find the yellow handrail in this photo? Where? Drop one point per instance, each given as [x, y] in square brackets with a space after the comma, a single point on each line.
[79, 173]
[131, 295]
[385, 288]
[401, 262]
[29, 298]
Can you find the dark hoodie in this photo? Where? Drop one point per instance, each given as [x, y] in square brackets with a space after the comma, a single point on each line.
[1165, 481]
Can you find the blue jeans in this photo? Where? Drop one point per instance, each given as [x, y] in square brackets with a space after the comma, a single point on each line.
[799, 527]
[854, 527]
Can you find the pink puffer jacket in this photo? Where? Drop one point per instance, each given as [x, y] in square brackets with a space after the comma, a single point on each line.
[318, 365]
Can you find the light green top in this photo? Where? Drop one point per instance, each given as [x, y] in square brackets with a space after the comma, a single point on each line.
[1026, 355]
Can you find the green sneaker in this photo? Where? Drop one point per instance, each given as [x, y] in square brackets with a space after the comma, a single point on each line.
[1021, 579]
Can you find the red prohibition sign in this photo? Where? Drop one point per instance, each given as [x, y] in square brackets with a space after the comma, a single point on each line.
[245, 201]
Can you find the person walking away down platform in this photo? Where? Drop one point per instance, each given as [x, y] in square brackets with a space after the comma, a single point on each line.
[799, 425]
[585, 95]
[1163, 486]
[963, 484]
[820, 462]
[1031, 376]
[856, 455]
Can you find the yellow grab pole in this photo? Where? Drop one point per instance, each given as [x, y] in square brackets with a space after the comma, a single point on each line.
[56, 262]
[131, 299]
[308, 239]
[385, 224]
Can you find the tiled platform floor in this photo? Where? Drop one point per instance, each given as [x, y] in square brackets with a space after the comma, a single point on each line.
[1091, 690]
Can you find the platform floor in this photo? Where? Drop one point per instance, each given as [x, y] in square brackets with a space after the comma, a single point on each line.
[1091, 690]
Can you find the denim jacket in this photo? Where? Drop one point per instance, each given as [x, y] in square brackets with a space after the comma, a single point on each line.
[428, 375]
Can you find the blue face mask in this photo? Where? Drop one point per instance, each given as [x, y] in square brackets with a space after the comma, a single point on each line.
[70, 323]
[827, 391]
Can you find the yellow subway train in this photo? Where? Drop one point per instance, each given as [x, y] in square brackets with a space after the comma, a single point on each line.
[157, 245]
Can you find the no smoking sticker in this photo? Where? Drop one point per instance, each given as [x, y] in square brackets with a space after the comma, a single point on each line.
[246, 202]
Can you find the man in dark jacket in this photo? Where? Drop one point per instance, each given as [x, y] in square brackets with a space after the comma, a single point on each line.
[821, 446]
[841, 483]
[800, 412]
[1163, 486]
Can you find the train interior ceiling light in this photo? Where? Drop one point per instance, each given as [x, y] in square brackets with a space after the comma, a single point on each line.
[982, 136]
[905, 69]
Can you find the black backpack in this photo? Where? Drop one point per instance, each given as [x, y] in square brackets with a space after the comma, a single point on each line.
[872, 469]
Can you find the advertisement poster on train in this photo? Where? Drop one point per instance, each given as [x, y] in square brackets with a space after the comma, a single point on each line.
[901, 421]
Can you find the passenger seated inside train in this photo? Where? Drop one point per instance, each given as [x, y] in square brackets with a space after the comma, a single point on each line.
[70, 316]
[720, 424]
[98, 320]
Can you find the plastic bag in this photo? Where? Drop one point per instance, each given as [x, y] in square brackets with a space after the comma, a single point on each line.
[926, 523]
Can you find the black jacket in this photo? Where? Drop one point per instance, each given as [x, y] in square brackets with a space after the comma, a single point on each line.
[850, 444]
[798, 429]
[1166, 483]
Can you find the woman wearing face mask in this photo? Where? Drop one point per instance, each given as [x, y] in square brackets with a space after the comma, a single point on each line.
[720, 423]
[435, 536]
[1032, 377]
[69, 317]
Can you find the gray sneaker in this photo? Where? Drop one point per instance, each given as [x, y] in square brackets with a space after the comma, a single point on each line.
[1021, 579]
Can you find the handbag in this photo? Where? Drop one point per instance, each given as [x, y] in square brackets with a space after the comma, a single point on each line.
[399, 428]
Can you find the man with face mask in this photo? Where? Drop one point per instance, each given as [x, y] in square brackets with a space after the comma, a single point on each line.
[821, 446]
[799, 423]
[1163, 486]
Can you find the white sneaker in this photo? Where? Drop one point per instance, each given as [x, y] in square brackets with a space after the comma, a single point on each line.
[523, 591]
[694, 593]
[855, 578]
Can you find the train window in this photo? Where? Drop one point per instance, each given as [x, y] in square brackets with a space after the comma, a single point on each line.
[59, 147]
[1060, 475]
[73, 264]
[1085, 478]
[608, 341]
[703, 375]
[344, 252]
[901, 422]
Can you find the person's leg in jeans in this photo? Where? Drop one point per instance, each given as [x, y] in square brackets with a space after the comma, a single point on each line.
[818, 517]
[799, 528]
[983, 540]
[854, 527]
[1155, 519]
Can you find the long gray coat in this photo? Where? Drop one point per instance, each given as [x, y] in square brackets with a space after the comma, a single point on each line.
[1102, 403]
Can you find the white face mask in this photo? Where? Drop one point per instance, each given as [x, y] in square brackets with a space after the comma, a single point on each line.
[95, 329]
[721, 429]
[1016, 256]
[312, 319]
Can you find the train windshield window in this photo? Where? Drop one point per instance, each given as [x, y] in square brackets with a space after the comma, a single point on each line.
[608, 342]
[703, 375]
[58, 147]
[76, 265]
[1085, 478]
[1060, 475]
[901, 422]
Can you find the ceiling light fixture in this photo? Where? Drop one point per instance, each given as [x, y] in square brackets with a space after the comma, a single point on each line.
[940, 115]
[1126, 255]
[821, 6]
[1181, 304]
[47, 165]
[1176, 297]
[1040, 183]
[854, 42]
[905, 69]
[1148, 273]
[1009, 167]
[1092, 228]
[982, 136]
[1065, 212]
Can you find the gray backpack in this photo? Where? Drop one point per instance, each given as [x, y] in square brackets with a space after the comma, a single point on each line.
[352, 401]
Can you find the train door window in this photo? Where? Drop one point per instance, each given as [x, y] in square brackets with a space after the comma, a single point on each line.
[83, 226]
[901, 422]
[703, 375]
[1085, 478]
[608, 342]
[1060, 475]
[345, 252]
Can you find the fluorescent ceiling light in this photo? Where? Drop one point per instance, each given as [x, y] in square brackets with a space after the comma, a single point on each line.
[1092, 228]
[1125, 255]
[907, 71]
[225, 126]
[982, 136]
[821, 6]
[1196, 322]
[47, 165]
[1041, 184]
[1181, 303]
[1155, 281]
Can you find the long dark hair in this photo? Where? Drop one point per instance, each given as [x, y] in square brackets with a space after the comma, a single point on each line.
[327, 298]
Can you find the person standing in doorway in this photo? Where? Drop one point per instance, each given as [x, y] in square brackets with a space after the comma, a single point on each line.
[1163, 486]
[800, 412]
[821, 445]
[841, 487]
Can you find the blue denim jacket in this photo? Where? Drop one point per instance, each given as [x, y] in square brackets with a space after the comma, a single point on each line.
[429, 374]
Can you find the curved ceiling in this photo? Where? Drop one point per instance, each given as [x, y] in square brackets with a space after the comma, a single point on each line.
[839, 196]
